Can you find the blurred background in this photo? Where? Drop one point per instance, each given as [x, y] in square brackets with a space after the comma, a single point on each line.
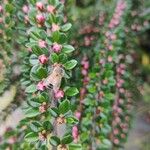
[81, 13]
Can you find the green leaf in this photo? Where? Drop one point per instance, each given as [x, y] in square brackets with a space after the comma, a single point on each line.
[70, 64]
[50, 19]
[33, 103]
[31, 137]
[75, 147]
[41, 72]
[43, 97]
[72, 91]
[35, 126]
[31, 44]
[107, 143]
[32, 112]
[54, 111]
[39, 51]
[109, 96]
[66, 27]
[92, 89]
[72, 120]
[33, 73]
[67, 139]
[36, 50]
[31, 89]
[64, 106]
[47, 125]
[33, 59]
[54, 58]
[9, 8]
[54, 140]
[63, 58]
[112, 81]
[67, 49]
[55, 36]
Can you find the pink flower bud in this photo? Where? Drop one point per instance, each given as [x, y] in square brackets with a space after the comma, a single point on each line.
[114, 123]
[139, 28]
[86, 79]
[118, 70]
[62, 1]
[119, 85]
[26, 19]
[84, 72]
[110, 59]
[119, 110]
[105, 81]
[59, 94]
[146, 23]
[122, 66]
[122, 90]
[42, 44]
[56, 47]
[115, 107]
[43, 59]
[41, 137]
[107, 34]
[42, 109]
[116, 22]
[82, 91]
[78, 114]
[12, 140]
[55, 27]
[40, 19]
[118, 120]
[125, 130]
[127, 118]
[87, 41]
[116, 131]
[50, 9]
[121, 81]
[111, 26]
[75, 133]
[41, 86]
[39, 6]
[110, 47]
[121, 101]
[86, 65]
[116, 141]
[123, 136]
[113, 37]
[101, 94]
[1, 9]
[116, 16]
[102, 61]
[25, 9]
